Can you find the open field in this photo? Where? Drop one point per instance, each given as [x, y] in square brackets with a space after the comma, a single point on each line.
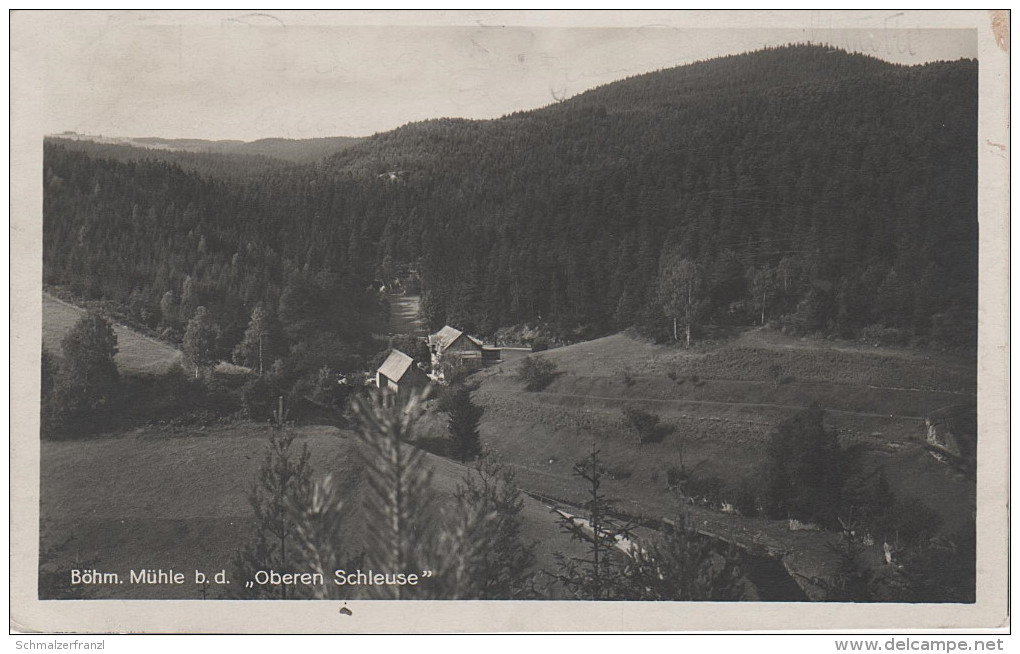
[135, 353]
[147, 499]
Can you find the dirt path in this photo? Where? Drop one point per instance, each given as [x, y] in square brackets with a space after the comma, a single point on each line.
[619, 400]
[405, 315]
[773, 341]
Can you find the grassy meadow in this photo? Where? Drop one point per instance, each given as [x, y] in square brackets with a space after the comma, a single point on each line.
[136, 353]
[720, 402]
[153, 498]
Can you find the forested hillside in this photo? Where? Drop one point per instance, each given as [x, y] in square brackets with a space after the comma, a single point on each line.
[805, 186]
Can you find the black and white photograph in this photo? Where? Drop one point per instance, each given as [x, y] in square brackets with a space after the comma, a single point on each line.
[660, 311]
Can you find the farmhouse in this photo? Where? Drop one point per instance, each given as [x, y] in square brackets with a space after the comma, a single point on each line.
[399, 374]
[453, 348]
[452, 343]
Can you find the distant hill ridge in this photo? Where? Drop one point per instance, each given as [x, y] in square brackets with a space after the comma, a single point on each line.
[293, 150]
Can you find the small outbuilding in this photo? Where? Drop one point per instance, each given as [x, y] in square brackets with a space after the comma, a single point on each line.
[400, 375]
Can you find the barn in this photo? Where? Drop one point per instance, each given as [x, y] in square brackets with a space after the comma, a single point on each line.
[399, 374]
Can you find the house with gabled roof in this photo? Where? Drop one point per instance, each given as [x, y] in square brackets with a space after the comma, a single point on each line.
[452, 347]
[400, 375]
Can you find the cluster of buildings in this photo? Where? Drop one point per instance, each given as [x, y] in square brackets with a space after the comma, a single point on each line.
[450, 349]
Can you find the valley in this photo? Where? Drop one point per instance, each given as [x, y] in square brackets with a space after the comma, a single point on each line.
[736, 290]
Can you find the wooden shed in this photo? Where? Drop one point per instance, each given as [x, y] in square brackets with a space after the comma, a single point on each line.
[399, 374]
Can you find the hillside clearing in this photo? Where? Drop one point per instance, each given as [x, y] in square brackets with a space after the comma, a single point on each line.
[720, 407]
[136, 353]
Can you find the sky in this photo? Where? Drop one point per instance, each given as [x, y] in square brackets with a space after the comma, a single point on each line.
[234, 75]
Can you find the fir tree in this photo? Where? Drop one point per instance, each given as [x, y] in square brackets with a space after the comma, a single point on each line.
[464, 418]
[402, 522]
[281, 491]
[507, 558]
[321, 541]
[597, 574]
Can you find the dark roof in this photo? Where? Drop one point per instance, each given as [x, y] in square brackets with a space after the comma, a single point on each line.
[396, 365]
[446, 336]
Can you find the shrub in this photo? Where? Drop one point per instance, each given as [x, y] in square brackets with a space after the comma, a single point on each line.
[645, 424]
[943, 569]
[708, 489]
[777, 375]
[745, 498]
[804, 473]
[907, 522]
[474, 549]
[676, 478]
[682, 565]
[258, 398]
[536, 373]
[882, 335]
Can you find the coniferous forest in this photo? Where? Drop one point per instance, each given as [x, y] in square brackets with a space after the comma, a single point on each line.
[819, 191]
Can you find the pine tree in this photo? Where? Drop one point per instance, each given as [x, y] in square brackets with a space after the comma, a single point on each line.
[464, 418]
[596, 575]
[320, 538]
[855, 579]
[506, 559]
[281, 491]
[402, 522]
[405, 533]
